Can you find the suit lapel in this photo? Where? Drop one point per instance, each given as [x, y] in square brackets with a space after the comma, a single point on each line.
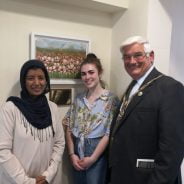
[153, 74]
[138, 97]
[136, 100]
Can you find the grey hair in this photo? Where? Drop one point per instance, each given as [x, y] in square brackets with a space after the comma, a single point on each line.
[136, 39]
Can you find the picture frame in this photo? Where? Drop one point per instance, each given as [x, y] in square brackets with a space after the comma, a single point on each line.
[62, 96]
[62, 56]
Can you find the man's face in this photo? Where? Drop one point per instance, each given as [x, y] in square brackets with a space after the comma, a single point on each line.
[136, 61]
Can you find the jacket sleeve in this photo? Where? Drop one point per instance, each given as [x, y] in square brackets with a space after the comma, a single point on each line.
[58, 148]
[9, 164]
[170, 136]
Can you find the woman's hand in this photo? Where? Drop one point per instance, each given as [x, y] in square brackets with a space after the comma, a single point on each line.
[86, 162]
[41, 180]
[75, 162]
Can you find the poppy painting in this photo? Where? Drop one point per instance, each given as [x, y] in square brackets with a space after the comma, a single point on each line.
[61, 56]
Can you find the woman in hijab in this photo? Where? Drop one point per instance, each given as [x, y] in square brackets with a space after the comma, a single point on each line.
[31, 135]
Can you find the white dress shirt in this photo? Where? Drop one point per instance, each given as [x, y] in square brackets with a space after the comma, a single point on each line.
[139, 82]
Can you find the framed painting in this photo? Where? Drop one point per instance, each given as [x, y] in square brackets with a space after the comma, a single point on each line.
[62, 56]
[62, 97]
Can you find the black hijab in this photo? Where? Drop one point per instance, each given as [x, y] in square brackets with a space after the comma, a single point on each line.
[36, 110]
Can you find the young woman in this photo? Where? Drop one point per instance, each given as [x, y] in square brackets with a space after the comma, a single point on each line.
[87, 125]
[31, 136]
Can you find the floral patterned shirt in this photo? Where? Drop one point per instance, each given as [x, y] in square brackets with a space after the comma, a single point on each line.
[91, 120]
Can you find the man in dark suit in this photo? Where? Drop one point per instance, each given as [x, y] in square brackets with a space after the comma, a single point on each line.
[147, 133]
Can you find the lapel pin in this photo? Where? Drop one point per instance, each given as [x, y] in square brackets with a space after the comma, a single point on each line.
[140, 93]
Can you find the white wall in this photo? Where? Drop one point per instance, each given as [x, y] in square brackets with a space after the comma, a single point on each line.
[18, 19]
[133, 21]
[159, 34]
[175, 10]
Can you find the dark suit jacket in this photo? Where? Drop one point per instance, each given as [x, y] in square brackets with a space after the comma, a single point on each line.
[152, 128]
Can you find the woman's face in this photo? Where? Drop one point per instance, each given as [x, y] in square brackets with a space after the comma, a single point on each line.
[90, 76]
[35, 82]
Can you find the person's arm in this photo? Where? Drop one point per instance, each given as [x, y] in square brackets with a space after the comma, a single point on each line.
[58, 148]
[8, 161]
[73, 157]
[68, 122]
[86, 162]
[171, 136]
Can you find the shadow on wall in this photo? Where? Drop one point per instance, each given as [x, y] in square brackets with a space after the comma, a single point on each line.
[116, 17]
[66, 169]
[175, 10]
[57, 11]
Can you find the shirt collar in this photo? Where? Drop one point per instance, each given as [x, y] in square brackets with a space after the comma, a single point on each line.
[141, 80]
[104, 96]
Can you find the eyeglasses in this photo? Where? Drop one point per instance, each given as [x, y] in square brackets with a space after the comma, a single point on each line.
[137, 56]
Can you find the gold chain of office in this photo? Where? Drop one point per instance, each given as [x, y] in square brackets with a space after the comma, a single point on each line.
[126, 100]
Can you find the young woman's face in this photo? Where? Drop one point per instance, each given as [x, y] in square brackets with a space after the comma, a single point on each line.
[90, 76]
[35, 82]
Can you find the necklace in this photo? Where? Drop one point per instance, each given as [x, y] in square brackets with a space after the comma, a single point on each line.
[126, 100]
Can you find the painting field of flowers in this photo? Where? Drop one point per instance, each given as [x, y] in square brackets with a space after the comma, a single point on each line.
[61, 56]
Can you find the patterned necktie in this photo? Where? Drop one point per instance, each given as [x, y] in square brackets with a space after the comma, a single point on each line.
[130, 88]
